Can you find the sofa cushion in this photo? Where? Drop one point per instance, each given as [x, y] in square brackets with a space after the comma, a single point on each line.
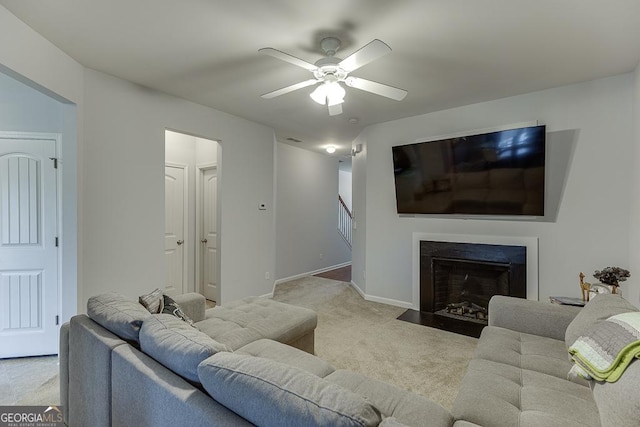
[118, 314]
[291, 356]
[177, 345]
[496, 394]
[405, 407]
[597, 310]
[391, 422]
[238, 323]
[525, 351]
[270, 393]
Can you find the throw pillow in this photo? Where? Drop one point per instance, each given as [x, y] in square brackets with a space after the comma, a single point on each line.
[172, 307]
[597, 310]
[176, 345]
[118, 314]
[270, 393]
[152, 301]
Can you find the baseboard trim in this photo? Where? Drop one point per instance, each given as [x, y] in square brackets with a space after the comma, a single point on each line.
[310, 273]
[373, 298]
[358, 290]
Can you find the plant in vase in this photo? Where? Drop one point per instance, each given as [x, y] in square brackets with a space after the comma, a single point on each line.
[612, 276]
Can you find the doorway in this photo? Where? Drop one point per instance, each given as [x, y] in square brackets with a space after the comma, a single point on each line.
[175, 227]
[207, 224]
[29, 259]
[192, 222]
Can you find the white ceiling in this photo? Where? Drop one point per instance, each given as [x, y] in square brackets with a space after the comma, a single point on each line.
[446, 53]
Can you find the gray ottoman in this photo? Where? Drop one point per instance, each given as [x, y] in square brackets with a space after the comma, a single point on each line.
[241, 322]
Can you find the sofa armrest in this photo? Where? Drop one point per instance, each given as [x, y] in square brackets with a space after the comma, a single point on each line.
[531, 317]
[193, 305]
[63, 361]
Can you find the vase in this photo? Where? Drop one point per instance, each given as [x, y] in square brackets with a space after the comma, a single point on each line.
[615, 289]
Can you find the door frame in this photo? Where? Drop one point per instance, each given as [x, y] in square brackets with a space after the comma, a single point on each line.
[56, 138]
[201, 168]
[185, 223]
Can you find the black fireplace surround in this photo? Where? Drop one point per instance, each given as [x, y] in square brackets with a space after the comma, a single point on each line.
[458, 279]
[512, 257]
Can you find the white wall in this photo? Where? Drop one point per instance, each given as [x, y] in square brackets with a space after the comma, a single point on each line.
[25, 109]
[34, 61]
[632, 286]
[359, 211]
[307, 237]
[124, 189]
[591, 138]
[119, 168]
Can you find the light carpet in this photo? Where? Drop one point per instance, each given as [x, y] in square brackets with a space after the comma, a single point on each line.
[29, 381]
[366, 337]
[359, 335]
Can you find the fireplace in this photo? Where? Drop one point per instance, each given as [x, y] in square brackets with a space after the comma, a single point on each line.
[462, 288]
[457, 280]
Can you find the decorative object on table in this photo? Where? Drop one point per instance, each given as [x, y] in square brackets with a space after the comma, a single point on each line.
[597, 289]
[612, 276]
[584, 287]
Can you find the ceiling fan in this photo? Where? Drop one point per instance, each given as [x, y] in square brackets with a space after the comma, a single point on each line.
[331, 71]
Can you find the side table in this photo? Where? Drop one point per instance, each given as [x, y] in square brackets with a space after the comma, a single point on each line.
[567, 301]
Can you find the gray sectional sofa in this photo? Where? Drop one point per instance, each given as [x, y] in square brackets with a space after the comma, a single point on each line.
[519, 375]
[251, 363]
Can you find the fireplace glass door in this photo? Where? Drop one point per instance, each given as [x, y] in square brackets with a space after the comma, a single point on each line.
[463, 288]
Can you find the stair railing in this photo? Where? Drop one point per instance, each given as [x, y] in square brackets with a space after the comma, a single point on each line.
[345, 220]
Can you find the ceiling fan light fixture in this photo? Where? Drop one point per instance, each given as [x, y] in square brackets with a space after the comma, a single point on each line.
[319, 94]
[335, 93]
[328, 93]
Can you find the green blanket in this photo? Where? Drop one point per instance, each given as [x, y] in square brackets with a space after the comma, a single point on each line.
[605, 352]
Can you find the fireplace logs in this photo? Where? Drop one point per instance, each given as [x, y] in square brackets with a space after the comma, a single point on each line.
[467, 309]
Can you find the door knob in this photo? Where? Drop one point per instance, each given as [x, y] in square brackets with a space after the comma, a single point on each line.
[179, 242]
[203, 241]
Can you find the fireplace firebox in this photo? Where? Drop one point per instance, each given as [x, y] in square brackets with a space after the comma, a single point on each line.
[462, 288]
[457, 280]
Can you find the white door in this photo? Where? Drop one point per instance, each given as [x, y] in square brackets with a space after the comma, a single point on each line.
[209, 234]
[174, 225]
[28, 253]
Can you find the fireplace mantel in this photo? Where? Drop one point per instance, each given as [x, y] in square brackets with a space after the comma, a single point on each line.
[531, 243]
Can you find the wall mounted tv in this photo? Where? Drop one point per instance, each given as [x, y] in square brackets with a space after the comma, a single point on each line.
[493, 174]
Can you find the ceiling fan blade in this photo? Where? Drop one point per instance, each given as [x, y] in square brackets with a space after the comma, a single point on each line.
[287, 58]
[377, 88]
[335, 109]
[288, 89]
[366, 54]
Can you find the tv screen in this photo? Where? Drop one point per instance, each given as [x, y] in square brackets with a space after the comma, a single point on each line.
[496, 173]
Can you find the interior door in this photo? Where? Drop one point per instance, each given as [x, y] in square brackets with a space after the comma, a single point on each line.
[209, 238]
[174, 225]
[28, 253]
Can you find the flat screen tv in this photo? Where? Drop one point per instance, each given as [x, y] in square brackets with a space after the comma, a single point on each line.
[493, 174]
